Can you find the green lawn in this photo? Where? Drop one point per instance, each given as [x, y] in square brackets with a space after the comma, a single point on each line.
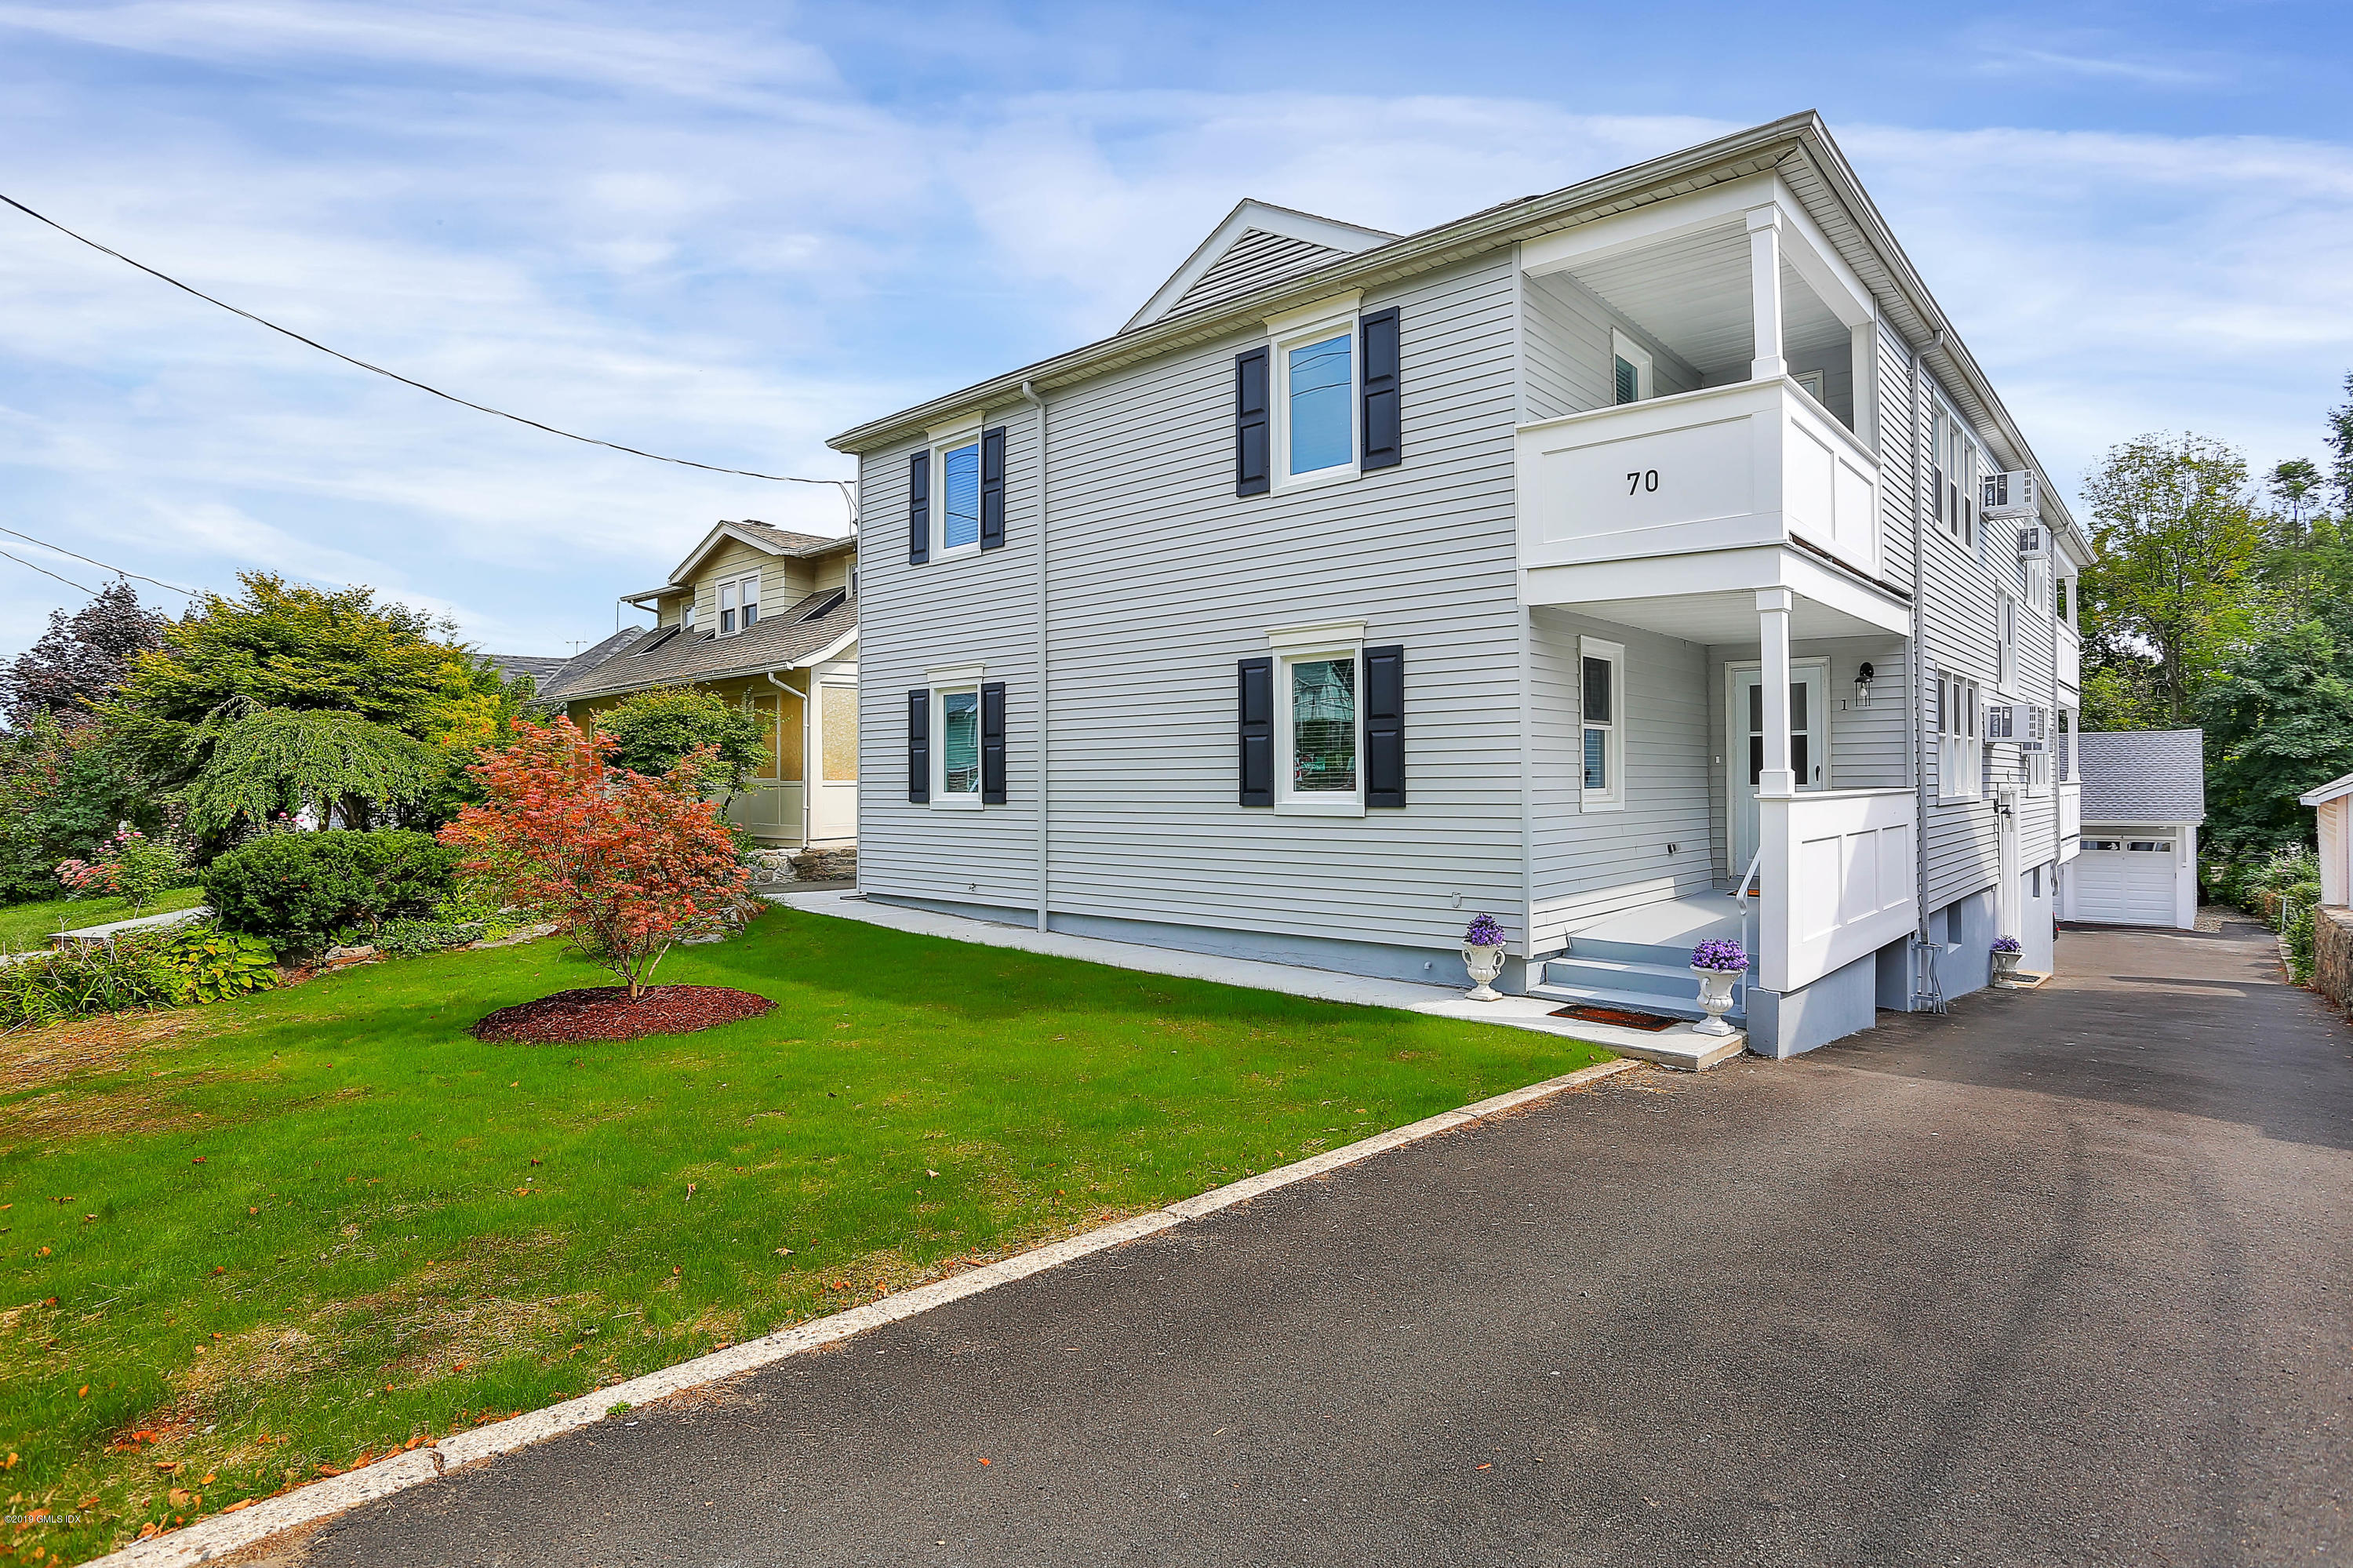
[287, 1231]
[24, 926]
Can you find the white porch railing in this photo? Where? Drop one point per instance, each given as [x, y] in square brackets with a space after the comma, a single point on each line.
[2070, 659]
[1757, 463]
[1839, 880]
[2071, 811]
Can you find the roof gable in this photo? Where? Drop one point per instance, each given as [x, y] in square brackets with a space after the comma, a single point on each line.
[1257, 244]
[760, 537]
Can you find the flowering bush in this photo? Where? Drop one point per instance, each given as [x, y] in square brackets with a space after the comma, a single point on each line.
[1484, 932]
[624, 863]
[131, 865]
[2006, 945]
[1718, 954]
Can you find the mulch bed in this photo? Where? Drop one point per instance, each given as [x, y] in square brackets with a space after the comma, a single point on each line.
[606, 1013]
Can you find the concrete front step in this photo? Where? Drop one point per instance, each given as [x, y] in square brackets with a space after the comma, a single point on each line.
[1622, 974]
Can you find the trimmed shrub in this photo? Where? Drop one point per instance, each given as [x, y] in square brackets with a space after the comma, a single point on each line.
[299, 891]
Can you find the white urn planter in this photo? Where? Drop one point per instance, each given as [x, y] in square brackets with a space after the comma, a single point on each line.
[2005, 968]
[1484, 964]
[1714, 999]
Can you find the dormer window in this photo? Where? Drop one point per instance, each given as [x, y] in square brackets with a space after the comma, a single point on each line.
[687, 618]
[739, 604]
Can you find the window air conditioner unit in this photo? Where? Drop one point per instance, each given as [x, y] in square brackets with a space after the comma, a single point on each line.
[2023, 725]
[2009, 494]
[2033, 541]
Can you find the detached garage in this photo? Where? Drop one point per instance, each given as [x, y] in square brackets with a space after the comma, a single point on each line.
[2144, 799]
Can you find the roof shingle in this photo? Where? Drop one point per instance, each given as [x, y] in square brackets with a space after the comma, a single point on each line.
[2143, 775]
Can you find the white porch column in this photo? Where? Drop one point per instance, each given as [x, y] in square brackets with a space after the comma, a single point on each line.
[1866, 354]
[1777, 778]
[1765, 291]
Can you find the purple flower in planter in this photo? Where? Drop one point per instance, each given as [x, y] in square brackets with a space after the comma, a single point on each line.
[1718, 954]
[2006, 945]
[1484, 932]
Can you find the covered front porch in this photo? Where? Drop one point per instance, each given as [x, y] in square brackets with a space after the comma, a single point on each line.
[1697, 739]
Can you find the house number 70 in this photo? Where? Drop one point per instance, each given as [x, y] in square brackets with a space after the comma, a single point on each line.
[1642, 479]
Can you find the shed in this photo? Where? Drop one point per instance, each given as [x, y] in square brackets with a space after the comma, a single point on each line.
[2144, 800]
[2333, 801]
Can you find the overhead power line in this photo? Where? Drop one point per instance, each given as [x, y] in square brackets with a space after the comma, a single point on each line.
[47, 573]
[842, 485]
[118, 571]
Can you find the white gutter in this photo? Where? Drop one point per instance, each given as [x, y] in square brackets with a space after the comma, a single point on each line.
[1029, 396]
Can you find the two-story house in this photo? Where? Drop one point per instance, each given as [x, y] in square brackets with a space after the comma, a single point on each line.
[1639, 563]
[767, 619]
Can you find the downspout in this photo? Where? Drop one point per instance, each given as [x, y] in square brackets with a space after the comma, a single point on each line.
[1927, 987]
[803, 696]
[1029, 396]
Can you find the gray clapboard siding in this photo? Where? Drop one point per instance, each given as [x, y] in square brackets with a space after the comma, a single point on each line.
[1569, 359]
[1162, 578]
[1897, 450]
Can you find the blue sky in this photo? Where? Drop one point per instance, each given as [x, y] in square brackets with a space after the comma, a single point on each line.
[727, 230]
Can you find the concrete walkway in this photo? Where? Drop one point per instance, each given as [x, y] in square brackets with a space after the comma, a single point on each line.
[1679, 1047]
[2061, 1279]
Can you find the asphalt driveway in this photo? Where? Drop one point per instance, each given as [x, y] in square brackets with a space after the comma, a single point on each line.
[2066, 1277]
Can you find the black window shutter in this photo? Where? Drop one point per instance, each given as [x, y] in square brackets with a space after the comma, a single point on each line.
[1255, 679]
[992, 742]
[1385, 727]
[919, 509]
[992, 489]
[1384, 441]
[919, 746]
[1250, 433]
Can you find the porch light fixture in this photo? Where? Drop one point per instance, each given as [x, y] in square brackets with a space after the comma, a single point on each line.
[1862, 675]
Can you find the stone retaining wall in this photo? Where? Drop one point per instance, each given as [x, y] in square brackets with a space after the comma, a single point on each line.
[2332, 955]
[782, 868]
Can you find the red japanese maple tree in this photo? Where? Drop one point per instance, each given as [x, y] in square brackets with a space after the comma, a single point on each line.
[625, 864]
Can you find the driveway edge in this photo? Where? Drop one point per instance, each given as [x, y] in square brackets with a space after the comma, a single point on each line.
[213, 1538]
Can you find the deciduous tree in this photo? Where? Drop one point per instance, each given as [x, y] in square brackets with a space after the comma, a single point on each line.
[81, 657]
[624, 863]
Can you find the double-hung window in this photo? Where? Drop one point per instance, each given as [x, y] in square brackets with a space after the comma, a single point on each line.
[1601, 727]
[1960, 755]
[955, 739]
[2005, 677]
[739, 604]
[1955, 467]
[1319, 719]
[1314, 372]
[960, 495]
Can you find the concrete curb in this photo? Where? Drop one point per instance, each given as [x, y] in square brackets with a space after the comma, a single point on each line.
[211, 1538]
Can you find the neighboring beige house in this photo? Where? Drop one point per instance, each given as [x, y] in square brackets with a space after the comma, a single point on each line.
[768, 619]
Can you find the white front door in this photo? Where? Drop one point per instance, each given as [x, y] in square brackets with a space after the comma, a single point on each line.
[1744, 757]
[832, 767]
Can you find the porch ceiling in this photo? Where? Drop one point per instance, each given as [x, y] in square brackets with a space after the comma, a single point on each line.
[1691, 293]
[1726, 617]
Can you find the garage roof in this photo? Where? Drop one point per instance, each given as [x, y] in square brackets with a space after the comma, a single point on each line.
[2143, 775]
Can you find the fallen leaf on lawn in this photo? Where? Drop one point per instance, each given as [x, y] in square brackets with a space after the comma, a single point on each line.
[783, 1252]
[252, 1211]
[180, 1497]
[329, 1470]
[240, 1503]
[44, 1252]
[1488, 1466]
[169, 1466]
[84, 1394]
[208, 1481]
[931, 1172]
[984, 1461]
[149, 1531]
[199, 1159]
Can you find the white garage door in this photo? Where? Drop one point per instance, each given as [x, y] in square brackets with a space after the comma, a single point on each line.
[2125, 882]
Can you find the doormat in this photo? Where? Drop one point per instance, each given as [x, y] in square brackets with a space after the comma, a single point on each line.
[1620, 1016]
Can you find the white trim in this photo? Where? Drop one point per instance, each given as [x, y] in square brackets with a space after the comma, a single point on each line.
[1735, 738]
[944, 439]
[1612, 796]
[2335, 789]
[719, 607]
[955, 681]
[1323, 634]
[962, 425]
[1298, 646]
[1305, 320]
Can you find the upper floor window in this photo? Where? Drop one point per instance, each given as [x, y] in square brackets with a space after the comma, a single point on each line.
[739, 604]
[1629, 369]
[1319, 401]
[686, 617]
[960, 496]
[1955, 464]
